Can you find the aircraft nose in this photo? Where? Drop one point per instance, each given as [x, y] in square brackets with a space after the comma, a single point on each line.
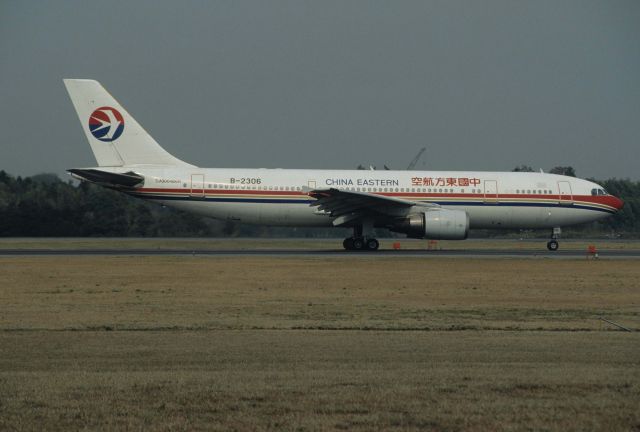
[618, 203]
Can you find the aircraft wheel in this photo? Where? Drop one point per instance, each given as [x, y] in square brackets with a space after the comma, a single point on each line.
[348, 243]
[372, 244]
[553, 245]
[358, 244]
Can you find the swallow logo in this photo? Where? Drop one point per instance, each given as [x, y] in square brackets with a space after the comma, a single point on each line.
[106, 124]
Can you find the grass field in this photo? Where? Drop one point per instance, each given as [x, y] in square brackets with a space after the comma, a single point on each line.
[202, 343]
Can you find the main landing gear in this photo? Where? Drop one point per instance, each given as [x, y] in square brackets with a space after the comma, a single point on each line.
[553, 245]
[360, 242]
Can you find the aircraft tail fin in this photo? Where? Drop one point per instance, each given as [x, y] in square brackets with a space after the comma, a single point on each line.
[116, 138]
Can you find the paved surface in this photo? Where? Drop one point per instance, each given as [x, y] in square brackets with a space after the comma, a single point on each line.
[480, 253]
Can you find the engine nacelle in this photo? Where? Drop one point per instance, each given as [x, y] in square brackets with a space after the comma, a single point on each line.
[437, 224]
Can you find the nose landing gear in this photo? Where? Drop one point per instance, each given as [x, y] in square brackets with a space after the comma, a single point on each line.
[553, 245]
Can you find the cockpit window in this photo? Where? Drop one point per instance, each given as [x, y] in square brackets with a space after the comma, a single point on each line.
[598, 192]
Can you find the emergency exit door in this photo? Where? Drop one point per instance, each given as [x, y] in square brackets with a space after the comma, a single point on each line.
[197, 185]
[565, 195]
[491, 191]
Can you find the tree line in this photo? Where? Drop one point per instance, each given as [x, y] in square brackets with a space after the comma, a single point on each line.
[45, 206]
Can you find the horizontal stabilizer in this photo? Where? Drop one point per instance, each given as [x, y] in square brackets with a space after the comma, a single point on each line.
[109, 179]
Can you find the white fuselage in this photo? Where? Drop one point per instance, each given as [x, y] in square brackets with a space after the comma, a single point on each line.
[421, 204]
[280, 196]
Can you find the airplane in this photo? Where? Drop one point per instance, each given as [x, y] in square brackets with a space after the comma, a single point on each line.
[438, 205]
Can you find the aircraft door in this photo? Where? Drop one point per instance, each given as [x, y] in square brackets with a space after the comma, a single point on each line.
[490, 191]
[565, 195]
[197, 185]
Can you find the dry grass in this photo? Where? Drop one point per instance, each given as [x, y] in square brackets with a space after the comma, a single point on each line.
[203, 343]
[314, 380]
[282, 293]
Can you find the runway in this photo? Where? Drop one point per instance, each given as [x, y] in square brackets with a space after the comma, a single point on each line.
[318, 253]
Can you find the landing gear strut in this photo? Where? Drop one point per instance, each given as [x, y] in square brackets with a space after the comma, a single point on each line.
[553, 245]
[360, 242]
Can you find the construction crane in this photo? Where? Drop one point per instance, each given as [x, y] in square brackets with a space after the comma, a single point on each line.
[415, 160]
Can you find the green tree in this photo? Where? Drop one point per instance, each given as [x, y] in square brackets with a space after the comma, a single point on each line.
[563, 170]
[523, 168]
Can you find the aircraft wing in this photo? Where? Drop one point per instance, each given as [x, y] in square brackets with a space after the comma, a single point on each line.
[346, 206]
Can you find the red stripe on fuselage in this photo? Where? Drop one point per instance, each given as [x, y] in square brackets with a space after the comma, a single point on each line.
[606, 200]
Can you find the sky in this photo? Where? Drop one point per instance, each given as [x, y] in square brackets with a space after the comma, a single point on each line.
[483, 85]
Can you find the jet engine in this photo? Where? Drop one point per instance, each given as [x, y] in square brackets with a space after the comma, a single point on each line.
[437, 224]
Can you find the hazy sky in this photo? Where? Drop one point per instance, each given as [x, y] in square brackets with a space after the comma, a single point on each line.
[484, 85]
